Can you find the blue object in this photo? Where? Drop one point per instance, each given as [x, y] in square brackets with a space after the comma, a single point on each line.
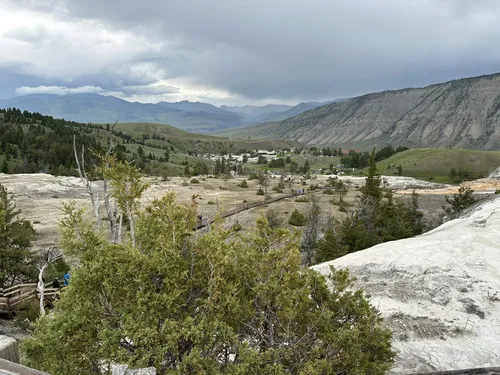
[66, 278]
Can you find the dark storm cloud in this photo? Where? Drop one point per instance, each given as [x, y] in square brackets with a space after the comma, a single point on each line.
[304, 50]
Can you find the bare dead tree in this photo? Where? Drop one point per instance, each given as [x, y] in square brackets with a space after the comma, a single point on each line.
[115, 217]
[94, 197]
[310, 237]
[48, 256]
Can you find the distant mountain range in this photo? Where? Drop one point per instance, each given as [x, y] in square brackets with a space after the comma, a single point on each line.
[461, 113]
[196, 117]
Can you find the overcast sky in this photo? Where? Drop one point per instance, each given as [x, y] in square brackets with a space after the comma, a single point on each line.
[242, 51]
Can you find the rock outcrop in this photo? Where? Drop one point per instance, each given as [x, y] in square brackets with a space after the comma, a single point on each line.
[9, 349]
[462, 113]
[439, 292]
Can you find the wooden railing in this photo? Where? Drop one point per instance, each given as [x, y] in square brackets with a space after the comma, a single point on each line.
[18, 296]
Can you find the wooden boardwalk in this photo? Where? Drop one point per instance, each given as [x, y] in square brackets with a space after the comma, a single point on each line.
[16, 297]
[248, 206]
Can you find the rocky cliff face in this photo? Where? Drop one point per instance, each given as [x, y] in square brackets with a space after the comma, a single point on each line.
[461, 113]
[439, 292]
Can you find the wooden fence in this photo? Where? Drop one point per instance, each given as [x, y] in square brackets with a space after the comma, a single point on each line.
[16, 297]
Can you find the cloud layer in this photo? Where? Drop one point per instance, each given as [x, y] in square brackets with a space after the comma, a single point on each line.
[227, 51]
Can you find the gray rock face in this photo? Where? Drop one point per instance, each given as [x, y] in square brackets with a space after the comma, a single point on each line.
[9, 349]
[438, 292]
[462, 113]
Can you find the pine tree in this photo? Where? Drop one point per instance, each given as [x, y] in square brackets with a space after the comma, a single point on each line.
[5, 166]
[372, 189]
[329, 247]
[17, 262]
[459, 202]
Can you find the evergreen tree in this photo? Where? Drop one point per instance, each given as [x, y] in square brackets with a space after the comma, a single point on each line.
[215, 303]
[5, 166]
[297, 219]
[372, 189]
[140, 151]
[17, 262]
[459, 202]
[329, 248]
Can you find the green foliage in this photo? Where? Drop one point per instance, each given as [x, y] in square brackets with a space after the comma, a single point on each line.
[57, 268]
[210, 202]
[243, 184]
[273, 218]
[17, 262]
[280, 186]
[27, 315]
[261, 160]
[362, 159]
[5, 166]
[399, 170]
[375, 218]
[329, 248]
[45, 144]
[260, 191]
[213, 303]
[459, 202]
[194, 181]
[297, 219]
[277, 163]
[372, 189]
[253, 176]
[461, 175]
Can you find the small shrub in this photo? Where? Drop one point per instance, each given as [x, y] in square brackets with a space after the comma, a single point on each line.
[194, 181]
[27, 315]
[253, 176]
[245, 201]
[260, 192]
[236, 227]
[243, 184]
[273, 218]
[297, 219]
[185, 183]
[210, 202]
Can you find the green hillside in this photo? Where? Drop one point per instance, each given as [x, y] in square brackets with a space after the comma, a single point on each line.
[436, 163]
[193, 143]
[34, 143]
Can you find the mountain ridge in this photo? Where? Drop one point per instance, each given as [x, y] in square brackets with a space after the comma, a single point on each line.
[459, 113]
[95, 108]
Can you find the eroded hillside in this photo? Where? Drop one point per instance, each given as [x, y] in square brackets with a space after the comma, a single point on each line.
[461, 113]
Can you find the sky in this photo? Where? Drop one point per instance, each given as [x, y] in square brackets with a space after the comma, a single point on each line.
[240, 52]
